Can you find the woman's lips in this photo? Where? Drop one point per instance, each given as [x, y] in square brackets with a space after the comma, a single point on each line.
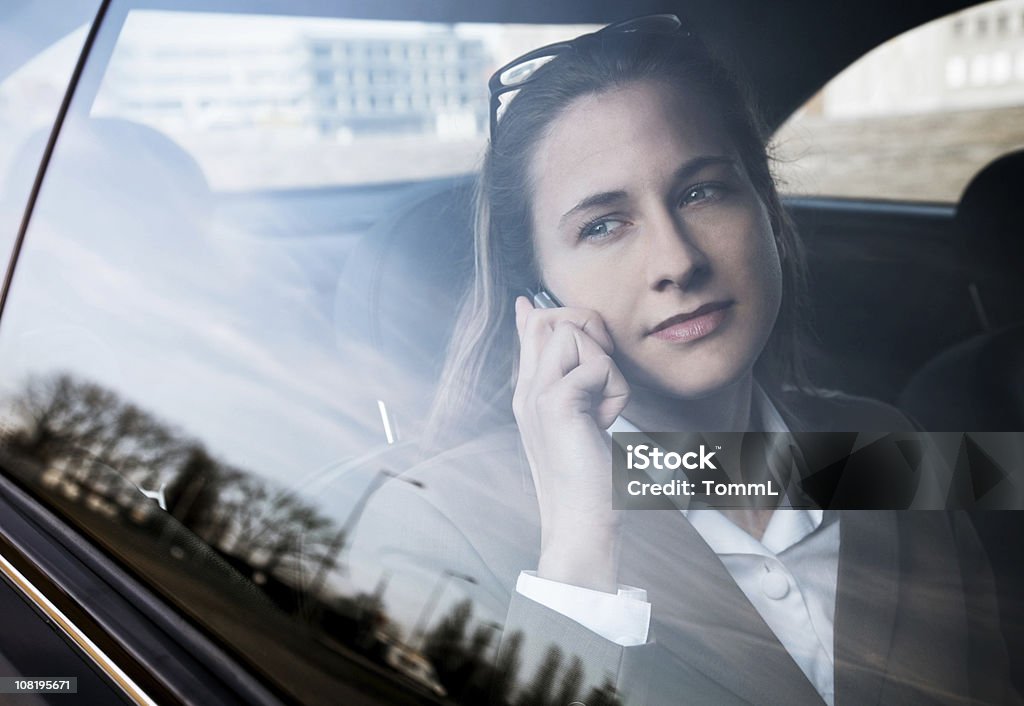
[702, 322]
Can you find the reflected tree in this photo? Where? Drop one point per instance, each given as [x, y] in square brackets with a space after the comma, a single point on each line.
[273, 530]
[445, 645]
[538, 692]
[476, 672]
[572, 680]
[194, 494]
[462, 659]
[506, 671]
[64, 420]
[90, 435]
[604, 695]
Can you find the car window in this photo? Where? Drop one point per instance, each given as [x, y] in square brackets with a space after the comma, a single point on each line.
[191, 373]
[39, 45]
[915, 118]
[220, 348]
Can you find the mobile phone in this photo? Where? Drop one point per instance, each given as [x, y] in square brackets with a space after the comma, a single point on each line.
[543, 299]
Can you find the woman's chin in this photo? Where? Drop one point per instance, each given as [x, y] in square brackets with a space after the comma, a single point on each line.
[695, 381]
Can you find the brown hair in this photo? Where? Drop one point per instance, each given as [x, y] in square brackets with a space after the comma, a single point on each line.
[476, 383]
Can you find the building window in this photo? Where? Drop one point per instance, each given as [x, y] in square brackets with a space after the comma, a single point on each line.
[956, 72]
[1002, 67]
[980, 70]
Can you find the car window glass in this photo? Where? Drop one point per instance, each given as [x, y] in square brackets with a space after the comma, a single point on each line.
[39, 45]
[208, 375]
[221, 343]
[915, 118]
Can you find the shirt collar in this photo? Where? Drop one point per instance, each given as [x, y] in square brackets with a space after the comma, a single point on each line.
[763, 409]
[766, 411]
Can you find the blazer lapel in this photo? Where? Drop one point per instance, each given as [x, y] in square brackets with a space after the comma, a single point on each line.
[702, 617]
[867, 590]
[866, 603]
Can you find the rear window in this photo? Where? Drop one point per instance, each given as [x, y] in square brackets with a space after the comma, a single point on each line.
[917, 117]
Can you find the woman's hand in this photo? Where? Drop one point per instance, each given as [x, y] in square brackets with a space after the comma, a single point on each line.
[568, 392]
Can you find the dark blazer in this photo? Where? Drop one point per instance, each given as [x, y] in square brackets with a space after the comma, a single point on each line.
[915, 622]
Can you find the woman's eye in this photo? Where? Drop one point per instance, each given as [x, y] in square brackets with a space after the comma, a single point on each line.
[600, 228]
[701, 192]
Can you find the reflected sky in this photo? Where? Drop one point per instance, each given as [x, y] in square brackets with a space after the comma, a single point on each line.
[124, 285]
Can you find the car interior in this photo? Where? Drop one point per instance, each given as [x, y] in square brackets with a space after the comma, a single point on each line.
[918, 304]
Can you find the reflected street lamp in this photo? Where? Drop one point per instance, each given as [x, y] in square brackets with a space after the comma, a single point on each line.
[340, 541]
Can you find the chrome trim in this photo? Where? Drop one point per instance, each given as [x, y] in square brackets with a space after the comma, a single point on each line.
[115, 673]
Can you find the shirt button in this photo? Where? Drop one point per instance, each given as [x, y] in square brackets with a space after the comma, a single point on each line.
[775, 585]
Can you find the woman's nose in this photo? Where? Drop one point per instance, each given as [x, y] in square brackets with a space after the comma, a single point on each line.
[674, 258]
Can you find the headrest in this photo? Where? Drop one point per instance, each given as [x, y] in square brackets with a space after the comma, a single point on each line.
[402, 284]
[990, 218]
[109, 172]
[107, 156]
[976, 385]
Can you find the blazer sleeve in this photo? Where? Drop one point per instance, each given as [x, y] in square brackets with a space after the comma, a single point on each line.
[606, 665]
[409, 538]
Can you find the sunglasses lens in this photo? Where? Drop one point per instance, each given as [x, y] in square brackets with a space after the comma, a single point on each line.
[503, 100]
[520, 73]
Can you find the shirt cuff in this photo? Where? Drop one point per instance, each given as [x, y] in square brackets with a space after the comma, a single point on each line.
[624, 618]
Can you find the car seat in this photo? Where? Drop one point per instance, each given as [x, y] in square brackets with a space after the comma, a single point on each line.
[978, 384]
[399, 293]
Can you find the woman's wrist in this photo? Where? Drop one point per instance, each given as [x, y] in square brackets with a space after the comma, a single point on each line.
[581, 556]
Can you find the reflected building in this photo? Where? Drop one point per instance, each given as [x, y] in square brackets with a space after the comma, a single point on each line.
[971, 60]
[326, 84]
[418, 85]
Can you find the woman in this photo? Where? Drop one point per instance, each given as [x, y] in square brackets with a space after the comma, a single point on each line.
[627, 178]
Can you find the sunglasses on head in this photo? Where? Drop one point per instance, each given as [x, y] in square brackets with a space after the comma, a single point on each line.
[519, 72]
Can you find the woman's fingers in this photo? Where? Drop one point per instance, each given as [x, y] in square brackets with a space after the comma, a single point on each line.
[604, 381]
[535, 327]
[577, 375]
[598, 376]
[561, 353]
[546, 367]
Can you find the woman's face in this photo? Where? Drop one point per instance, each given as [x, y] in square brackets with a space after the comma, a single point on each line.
[642, 211]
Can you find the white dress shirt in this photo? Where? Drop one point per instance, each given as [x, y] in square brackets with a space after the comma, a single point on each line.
[789, 576]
